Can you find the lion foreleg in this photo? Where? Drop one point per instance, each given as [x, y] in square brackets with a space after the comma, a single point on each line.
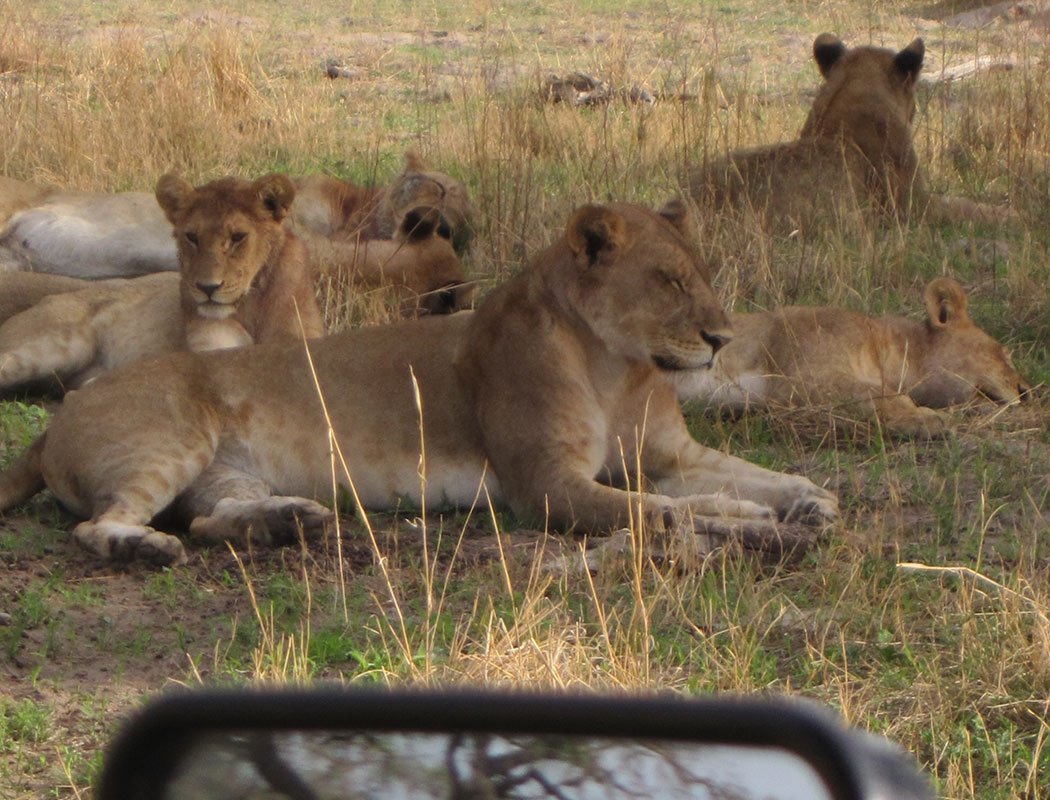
[226, 503]
[702, 471]
[592, 506]
[118, 534]
[900, 415]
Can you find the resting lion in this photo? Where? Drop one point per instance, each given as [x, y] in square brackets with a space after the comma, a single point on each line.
[244, 279]
[854, 148]
[544, 396]
[97, 235]
[419, 263]
[339, 209]
[897, 368]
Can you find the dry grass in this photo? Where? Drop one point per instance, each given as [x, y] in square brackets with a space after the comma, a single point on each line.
[953, 663]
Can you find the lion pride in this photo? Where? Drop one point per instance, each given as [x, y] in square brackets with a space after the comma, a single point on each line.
[546, 399]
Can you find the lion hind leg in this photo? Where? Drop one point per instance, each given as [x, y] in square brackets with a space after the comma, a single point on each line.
[276, 520]
[59, 352]
[226, 503]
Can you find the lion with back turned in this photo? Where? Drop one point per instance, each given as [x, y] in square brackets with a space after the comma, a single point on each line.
[551, 399]
[854, 151]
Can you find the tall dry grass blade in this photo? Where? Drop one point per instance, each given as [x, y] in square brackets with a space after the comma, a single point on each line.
[403, 638]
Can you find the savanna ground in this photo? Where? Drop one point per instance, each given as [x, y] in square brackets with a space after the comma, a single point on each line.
[954, 664]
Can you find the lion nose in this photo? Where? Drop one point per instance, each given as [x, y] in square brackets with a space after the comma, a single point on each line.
[208, 288]
[716, 340]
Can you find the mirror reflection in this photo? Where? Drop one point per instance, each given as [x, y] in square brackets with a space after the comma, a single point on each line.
[477, 766]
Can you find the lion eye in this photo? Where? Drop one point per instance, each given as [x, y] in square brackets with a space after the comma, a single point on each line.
[191, 238]
[237, 237]
[676, 282]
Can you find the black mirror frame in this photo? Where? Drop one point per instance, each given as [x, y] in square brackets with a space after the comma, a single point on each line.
[145, 753]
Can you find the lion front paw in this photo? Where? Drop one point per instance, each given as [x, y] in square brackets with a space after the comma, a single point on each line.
[120, 541]
[269, 521]
[721, 505]
[812, 506]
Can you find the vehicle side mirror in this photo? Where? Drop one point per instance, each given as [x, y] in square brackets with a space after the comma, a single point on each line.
[327, 744]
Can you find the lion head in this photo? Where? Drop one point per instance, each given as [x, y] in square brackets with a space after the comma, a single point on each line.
[868, 100]
[640, 286]
[961, 361]
[226, 233]
[417, 186]
[432, 270]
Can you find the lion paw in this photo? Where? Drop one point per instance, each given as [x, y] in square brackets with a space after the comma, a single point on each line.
[270, 521]
[720, 505]
[813, 506]
[120, 541]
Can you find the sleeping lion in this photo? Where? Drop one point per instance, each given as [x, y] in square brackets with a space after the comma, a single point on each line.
[897, 369]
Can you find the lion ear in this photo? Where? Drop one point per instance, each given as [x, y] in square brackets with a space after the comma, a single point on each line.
[945, 302]
[173, 195]
[679, 214]
[908, 61]
[413, 163]
[596, 234]
[276, 193]
[827, 50]
[420, 223]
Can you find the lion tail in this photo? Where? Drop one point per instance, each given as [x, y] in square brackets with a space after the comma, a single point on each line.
[23, 478]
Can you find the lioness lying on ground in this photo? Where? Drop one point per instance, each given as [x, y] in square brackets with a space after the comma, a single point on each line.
[855, 148]
[897, 368]
[244, 279]
[548, 396]
[93, 235]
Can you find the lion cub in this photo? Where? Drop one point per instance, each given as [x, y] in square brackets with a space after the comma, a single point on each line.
[896, 368]
[854, 148]
[243, 278]
[549, 399]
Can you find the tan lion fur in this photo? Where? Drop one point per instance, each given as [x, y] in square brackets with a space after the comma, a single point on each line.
[22, 290]
[547, 398]
[854, 151]
[262, 284]
[16, 195]
[89, 235]
[96, 325]
[895, 368]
